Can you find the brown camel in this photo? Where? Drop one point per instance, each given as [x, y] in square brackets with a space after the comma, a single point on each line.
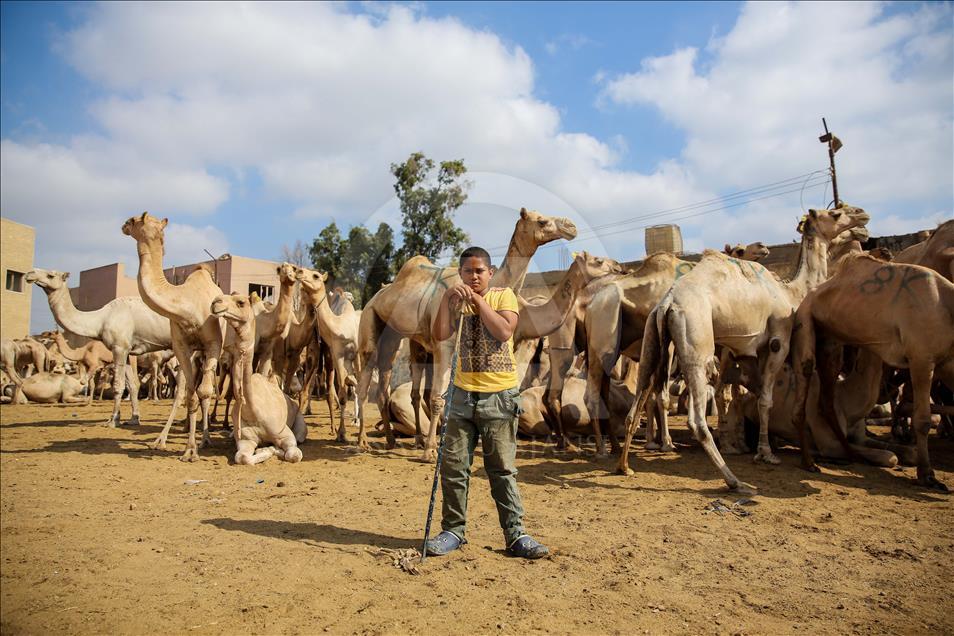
[90, 358]
[194, 328]
[273, 324]
[902, 313]
[407, 307]
[936, 253]
[746, 309]
[614, 325]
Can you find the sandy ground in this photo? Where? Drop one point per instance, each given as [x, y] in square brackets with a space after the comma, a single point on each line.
[102, 535]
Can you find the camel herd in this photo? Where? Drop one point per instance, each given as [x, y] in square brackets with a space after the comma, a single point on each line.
[804, 360]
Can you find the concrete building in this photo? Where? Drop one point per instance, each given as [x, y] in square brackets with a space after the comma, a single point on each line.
[16, 259]
[239, 274]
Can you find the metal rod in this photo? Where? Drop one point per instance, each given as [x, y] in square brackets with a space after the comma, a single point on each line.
[831, 160]
[440, 445]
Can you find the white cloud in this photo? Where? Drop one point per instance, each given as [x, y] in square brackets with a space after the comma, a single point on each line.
[317, 102]
[750, 105]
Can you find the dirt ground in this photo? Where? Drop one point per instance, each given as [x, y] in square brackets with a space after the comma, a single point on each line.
[102, 535]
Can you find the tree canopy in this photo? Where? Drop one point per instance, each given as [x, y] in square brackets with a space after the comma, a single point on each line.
[360, 264]
[428, 204]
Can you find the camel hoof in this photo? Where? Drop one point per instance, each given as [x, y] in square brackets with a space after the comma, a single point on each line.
[768, 458]
[626, 471]
[429, 456]
[419, 442]
[668, 448]
[364, 445]
[157, 445]
[743, 488]
[111, 422]
[933, 484]
[652, 446]
[133, 421]
[570, 447]
[600, 454]
[811, 468]
[191, 455]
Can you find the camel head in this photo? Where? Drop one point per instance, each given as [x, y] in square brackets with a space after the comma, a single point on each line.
[313, 285]
[48, 279]
[827, 224]
[538, 229]
[751, 252]
[594, 267]
[882, 254]
[145, 228]
[288, 273]
[859, 233]
[235, 308]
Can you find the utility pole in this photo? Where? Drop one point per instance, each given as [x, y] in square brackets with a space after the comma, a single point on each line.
[215, 265]
[834, 144]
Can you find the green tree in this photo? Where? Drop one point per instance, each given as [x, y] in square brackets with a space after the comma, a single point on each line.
[360, 264]
[428, 205]
[326, 252]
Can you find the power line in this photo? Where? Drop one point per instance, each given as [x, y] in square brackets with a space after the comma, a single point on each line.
[594, 235]
[812, 179]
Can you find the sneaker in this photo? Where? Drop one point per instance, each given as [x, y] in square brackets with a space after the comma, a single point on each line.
[525, 546]
[443, 543]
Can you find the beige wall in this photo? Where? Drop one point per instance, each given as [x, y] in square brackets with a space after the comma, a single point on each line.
[252, 271]
[100, 285]
[16, 255]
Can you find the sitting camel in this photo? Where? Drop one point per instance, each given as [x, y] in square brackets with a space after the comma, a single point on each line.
[854, 398]
[751, 252]
[126, 326]
[90, 358]
[262, 413]
[16, 356]
[747, 310]
[50, 388]
[902, 313]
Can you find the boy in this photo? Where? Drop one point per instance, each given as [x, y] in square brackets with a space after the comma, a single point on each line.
[484, 405]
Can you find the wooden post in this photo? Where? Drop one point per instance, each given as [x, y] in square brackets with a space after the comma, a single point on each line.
[830, 140]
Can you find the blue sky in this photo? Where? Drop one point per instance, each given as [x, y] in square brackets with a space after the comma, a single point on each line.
[252, 126]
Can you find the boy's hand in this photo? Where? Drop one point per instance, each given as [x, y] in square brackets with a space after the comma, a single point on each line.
[459, 294]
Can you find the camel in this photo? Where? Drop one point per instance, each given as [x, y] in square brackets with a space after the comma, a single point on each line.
[747, 310]
[407, 307]
[936, 253]
[339, 334]
[539, 319]
[273, 325]
[193, 327]
[854, 398]
[902, 313]
[751, 252]
[536, 419]
[154, 362]
[269, 415]
[614, 324]
[16, 356]
[90, 358]
[50, 388]
[126, 326]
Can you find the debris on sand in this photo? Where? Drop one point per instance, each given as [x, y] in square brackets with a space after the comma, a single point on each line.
[193, 482]
[718, 507]
[406, 560]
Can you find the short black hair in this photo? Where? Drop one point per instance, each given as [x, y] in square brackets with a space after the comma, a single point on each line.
[476, 252]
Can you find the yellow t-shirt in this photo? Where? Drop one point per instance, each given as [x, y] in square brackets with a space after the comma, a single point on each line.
[484, 363]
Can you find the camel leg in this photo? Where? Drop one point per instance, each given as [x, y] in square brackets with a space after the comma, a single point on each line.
[418, 358]
[696, 380]
[561, 359]
[304, 398]
[132, 381]
[921, 377]
[649, 359]
[439, 387]
[160, 442]
[777, 351]
[331, 397]
[388, 344]
[247, 455]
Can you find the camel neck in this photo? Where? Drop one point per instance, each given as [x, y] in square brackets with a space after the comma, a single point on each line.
[547, 317]
[812, 266]
[68, 352]
[157, 292]
[82, 323]
[513, 270]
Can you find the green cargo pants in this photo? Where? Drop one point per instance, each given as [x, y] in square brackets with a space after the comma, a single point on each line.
[493, 418]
